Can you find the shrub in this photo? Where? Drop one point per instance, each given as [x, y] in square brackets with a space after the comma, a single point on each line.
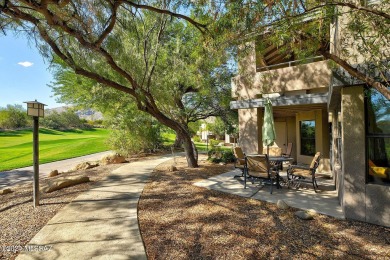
[228, 156]
[197, 139]
[214, 142]
[13, 116]
[64, 120]
[217, 155]
[130, 135]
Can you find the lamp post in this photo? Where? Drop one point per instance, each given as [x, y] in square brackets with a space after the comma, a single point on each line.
[36, 110]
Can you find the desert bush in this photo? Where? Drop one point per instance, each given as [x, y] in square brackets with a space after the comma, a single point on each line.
[65, 120]
[13, 116]
[214, 142]
[196, 139]
[217, 155]
[134, 134]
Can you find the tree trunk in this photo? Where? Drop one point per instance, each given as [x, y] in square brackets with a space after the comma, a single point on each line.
[189, 150]
[182, 133]
[178, 141]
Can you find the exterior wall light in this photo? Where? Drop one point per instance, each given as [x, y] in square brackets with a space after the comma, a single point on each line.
[330, 117]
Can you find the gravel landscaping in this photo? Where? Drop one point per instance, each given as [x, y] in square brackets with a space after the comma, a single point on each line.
[181, 221]
[19, 221]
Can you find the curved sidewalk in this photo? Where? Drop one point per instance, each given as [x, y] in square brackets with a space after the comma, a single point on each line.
[100, 223]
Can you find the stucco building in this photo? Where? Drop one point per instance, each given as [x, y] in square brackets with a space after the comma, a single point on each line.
[318, 111]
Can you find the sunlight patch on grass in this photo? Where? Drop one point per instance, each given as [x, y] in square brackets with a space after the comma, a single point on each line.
[16, 146]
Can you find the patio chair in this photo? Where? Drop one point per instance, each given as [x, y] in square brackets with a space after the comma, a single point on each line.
[239, 161]
[288, 150]
[258, 167]
[297, 173]
[287, 154]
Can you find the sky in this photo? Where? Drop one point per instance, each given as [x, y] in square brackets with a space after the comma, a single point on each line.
[24, 75]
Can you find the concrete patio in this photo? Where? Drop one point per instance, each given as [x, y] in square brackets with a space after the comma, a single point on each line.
[324, 202]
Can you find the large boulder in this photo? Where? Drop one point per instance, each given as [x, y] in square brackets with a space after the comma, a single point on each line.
[58, 184]
[85, 166]
[112, 159]
[305, 214]
[172, 168]
[53, 173]
[281, 204]
[5, 191]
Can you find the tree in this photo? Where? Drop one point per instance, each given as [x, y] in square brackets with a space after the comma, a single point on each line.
[132, 131]
[13, 116]
[64, 120]
[118, 45]
[217, 128]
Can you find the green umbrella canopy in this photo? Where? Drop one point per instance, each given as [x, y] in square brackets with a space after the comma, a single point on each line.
[269, 135]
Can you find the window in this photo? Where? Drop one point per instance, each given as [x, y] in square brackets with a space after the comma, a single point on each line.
[308, 137]
[377, 138]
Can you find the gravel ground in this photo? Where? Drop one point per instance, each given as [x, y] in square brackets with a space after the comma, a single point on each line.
[19, 221]
[181, 221]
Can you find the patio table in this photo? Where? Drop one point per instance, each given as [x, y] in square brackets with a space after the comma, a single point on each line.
[277, 161]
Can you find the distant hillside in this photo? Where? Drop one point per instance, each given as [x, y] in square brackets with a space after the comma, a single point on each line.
[87, 114]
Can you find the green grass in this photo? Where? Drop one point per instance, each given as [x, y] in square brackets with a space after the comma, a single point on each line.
[16, 146]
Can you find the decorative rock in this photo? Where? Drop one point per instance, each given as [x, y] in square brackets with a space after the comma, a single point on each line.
[85, 165]
[53, 173]
[172, 168]
[305, 214]
[281, 204]
[64, 183]
[113, 159]
[5, 191]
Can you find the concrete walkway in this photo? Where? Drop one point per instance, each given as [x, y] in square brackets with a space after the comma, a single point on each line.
[25, 175]
[100, 223]
[325, 201]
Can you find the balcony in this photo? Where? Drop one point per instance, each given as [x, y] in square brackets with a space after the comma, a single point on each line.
[293, 77]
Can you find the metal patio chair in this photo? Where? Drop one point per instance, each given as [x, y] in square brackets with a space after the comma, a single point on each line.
[297, 173]
[258, 167]
[239, 161]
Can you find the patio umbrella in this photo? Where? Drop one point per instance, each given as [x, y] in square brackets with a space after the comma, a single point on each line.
[268, 130]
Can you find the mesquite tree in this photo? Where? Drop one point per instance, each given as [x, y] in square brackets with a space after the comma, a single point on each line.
[142, 51]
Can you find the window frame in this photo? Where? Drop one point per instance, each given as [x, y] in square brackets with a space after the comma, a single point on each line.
[306, 138]
[368, 136]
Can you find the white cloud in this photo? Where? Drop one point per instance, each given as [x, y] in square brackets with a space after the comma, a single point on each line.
[26, 64]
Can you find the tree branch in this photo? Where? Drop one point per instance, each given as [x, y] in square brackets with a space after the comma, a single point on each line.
[357, 74]
[110, 27]
[199, 26]
[355, 7]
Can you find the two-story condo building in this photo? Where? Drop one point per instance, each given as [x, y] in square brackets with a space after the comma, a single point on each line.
[319, 112]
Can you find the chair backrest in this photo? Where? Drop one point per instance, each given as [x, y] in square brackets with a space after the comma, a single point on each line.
[239, 153]
[258, 163]
[289, 149]
[316, 161]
